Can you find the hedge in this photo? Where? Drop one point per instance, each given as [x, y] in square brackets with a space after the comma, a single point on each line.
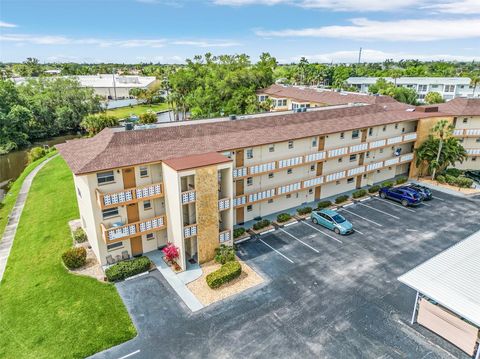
[283, 217]
[374, 189]
[224, 254]
[387, 184]
[441, 179]
[359, 193]
[324, 204]
[261, 224]
[225, 274]
[341, 199]
[127, 269]
[79, 235]
[401, 180]
[237, 232]
[304, 210]
[455, 172]
[75, 257]
[464, 182]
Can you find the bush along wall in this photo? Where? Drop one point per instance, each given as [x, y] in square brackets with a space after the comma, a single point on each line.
[283, 217]
[127, 269]
[341, 199]
[261, 224]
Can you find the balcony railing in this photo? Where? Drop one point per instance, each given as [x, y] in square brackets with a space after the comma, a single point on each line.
[189, 197]
[190, 230]
[277, 165]
[473, 151]
[128, 196]
[470, 132]
[317, 181]
[129, 230]
[224, 236]
[224, 204]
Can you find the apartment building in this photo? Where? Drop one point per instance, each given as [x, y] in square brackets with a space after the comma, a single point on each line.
[191, 182]
[448, 87]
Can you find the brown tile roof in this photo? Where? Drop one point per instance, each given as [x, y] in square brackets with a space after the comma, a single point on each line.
[461, 106]
[324, 97]
[195, 161]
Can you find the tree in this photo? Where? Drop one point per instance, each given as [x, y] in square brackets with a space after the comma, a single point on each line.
[148, 117]
[433, 97]
[93, 124]
[440, 150]
[474, 82]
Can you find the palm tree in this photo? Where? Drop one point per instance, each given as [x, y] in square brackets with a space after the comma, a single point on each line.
[474, 81]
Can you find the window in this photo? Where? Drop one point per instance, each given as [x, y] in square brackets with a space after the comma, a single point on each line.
[150, 236]
[355, 134]
[314, 142]
[289, 171]
[460, 140]
[370, 131]
[340, 160]
[403, 129]
[353, 158]
[290, 144]
[288, 196]
[270, 200]
[342, 135]
[474, 158]
[249, 208]
[449, 88]
[312, 167]
[80, 193]
[422, 88]
[384, 128]
[147, 205]
[477, 140]
[270, 175]
[249, 153]
[396, 126]
[337, 183]
[310, 190]
[249, 181]
[110, 212]
[350, 180]
[368, 154]
[271, 148]
[105, 177]
[381, 150]
[114, 245]
[144, 171]
[465, 120]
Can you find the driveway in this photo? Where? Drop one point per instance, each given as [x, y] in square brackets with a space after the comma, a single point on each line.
[325, 295]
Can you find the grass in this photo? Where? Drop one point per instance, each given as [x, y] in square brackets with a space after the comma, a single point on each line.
[46, 312]
[124, 112]
[11, 197]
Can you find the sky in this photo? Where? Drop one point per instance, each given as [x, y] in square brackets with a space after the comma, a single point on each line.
[169, 31]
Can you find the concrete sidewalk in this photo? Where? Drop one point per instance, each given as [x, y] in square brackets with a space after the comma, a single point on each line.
[14, 217]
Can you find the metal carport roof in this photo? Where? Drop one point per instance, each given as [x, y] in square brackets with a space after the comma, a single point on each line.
[452, 278]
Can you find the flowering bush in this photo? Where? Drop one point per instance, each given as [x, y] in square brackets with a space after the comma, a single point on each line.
[171, 252]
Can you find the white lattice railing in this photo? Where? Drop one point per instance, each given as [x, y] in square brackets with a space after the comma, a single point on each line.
[224, 236]
[473, 132]
[190, 231]
[223, 204]
[130, 195]
[473, 151]
[133, 229]
[189, 197]
[464, 132]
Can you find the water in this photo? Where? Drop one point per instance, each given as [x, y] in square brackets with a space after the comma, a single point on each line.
[12, 164]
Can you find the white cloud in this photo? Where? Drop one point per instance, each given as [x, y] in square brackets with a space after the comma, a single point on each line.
[457, 7]
[370, 55]
[396, 30]
[7, 24]
[204, 43]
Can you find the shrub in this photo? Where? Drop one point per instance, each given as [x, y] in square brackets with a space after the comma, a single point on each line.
[359, 193]
[261, 224]
[225, 274]
[171, 252]
[304, 210]
[224, 254]
[441, 179]
[374, 189]
[148, 117]
[341, 199]
[127, 269]
[237, 232]
[464, 182]
[451, 180]
[455, 172]
[387, 184]
[74, 258]
[79, 235]
[401, 180]
[324, 204]
[283, 217]
[36, 153]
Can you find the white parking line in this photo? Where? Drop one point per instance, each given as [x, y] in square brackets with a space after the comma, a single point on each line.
[366, 219]
[356, 230]
[129, 355]
[394, 204]
[379, 210]
[426, 204]
[318, 230]
[283, 255]
[305, 244]
[440, 199]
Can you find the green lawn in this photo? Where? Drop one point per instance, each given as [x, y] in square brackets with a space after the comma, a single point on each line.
[45, 312]
[11, 197]
[124, 112]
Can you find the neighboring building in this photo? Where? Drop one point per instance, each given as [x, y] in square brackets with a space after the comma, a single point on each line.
[448, 87]
[284, 97]
[190, 182]
[110, 87]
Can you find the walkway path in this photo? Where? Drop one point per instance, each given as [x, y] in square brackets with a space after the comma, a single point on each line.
[14, 217]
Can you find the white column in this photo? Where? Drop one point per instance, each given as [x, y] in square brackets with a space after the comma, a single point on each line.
[414, 314]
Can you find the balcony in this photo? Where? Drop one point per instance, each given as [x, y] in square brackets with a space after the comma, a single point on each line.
[125, 231]
[224, 236]
[189, 197]
[471, 132]
[190, 231]
[473, 151]
[223, 204]
[128, 196]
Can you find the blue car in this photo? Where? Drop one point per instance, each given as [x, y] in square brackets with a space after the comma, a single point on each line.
[332, 220]
[405, 195]
[424, 191]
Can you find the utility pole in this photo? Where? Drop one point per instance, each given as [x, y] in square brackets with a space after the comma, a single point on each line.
[359, 55]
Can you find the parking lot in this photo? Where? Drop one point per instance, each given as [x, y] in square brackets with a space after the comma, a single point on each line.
[325, 295]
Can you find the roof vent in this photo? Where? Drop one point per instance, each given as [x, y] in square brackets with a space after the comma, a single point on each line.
[232, 117]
